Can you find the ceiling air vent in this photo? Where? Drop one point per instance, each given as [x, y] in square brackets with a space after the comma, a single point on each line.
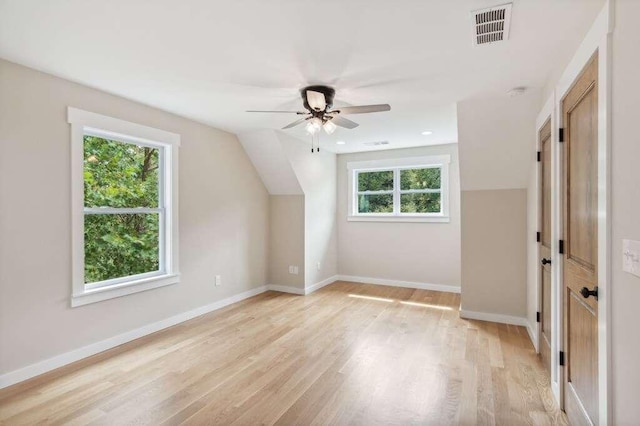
[491, 25]
[377, 143]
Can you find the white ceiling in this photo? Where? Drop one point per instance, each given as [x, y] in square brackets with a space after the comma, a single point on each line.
[212, 60]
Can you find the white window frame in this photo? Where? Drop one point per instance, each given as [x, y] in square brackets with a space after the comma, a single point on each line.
[89, 123]
[397, 165]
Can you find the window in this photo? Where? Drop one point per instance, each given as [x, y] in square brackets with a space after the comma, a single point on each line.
[123, 198]
[413, 189]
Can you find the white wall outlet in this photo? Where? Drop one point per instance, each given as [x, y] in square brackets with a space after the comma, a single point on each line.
[318, 266]
[218, 280]
[293, 269]
[631, 257]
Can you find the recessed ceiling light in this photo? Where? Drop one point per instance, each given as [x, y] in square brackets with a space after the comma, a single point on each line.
[427, 132]
[340, 143]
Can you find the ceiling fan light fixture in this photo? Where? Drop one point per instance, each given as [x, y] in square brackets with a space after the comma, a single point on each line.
[329, 127]
[310, 128]
[314, 125]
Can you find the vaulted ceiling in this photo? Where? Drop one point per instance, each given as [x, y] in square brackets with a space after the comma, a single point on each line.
[212, 60]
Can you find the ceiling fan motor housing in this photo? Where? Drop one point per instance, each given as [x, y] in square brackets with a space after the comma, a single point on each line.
[327, 91]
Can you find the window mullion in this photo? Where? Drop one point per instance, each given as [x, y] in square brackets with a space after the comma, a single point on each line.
[420, 191]
[122, 210]
[396, 192]
[375, 192]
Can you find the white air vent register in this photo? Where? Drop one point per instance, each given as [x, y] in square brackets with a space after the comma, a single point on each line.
[491, 25]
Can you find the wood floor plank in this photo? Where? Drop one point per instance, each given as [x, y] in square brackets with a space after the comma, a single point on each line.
[346, 354]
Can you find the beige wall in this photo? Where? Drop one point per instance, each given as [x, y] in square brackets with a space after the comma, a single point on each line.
[223, 220]
[286, 239]
[317, 176]
[625, 208]
[495, 137]
[418, 252]
[494, 268]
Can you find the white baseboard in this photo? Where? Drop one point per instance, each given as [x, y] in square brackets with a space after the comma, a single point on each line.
[61, 360]
[285, 289]
[302, 291]
[502, 319]
[396, 283]
[319, 285]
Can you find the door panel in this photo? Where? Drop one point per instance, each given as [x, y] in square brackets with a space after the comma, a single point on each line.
[583, 353]
[582, 204]
[580, 263]
[545, 243]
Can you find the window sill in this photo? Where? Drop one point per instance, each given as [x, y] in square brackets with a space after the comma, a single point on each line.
[123, 289]
[433, 219]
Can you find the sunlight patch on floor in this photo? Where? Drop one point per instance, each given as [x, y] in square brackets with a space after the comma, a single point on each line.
[403, 302]
[379, 299]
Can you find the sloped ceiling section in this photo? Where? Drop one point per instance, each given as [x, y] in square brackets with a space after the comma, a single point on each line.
[496, 141]
[210, 61]
[270, 160]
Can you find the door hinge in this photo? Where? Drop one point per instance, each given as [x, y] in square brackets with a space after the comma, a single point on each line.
[561, 134]
[538, 237]
[561, 247]
[537, 316]
[539, 156]
[562, 358]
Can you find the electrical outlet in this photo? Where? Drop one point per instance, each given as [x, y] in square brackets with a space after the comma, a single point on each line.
[318, 266]
[293, 270]
[631, 257]
[218, 280]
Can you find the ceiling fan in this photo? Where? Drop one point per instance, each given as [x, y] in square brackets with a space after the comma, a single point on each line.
[318, 102]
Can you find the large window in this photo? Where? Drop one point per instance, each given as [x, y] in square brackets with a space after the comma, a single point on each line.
[414, 189]
[124, 200]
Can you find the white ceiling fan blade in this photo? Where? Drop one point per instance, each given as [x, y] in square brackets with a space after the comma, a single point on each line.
[316, 100]
[343, 122]
[363, 109]
[295, 123]
[285, 112]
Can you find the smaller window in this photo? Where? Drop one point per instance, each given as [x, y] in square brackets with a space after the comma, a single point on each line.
[414, 189]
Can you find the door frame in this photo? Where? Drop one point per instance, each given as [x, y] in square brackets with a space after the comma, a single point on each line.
[598, 39]
[548, 113]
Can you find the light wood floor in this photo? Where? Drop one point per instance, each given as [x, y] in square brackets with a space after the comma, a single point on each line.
[347, 354]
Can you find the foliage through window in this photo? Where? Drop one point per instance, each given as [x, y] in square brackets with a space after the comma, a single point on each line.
[420, 190]
[375, 192]
[399, 190]
[123, 212]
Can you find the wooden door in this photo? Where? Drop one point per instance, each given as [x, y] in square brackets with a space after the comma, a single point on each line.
[580, 260]
[545, 244]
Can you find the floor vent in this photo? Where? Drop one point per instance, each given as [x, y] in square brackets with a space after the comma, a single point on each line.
[491, 25]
